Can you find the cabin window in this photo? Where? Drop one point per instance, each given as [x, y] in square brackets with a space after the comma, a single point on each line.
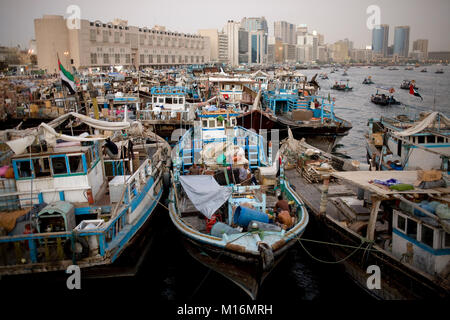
[427, 235]
[227, 87]
[175, 100]
[431, 139]
[411, 228]
[160, 100]
[154, 99]
[24, 169]
[446, 240]
[401, 223]
[76, 164]
[212, 123]
[41, 167]
[421, 139]
[168, 100]
[220, 122]
[205, 123]
[181, 100]
[59, 165]
[440, 139]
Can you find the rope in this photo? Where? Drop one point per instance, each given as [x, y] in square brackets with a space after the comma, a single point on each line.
[333, 262]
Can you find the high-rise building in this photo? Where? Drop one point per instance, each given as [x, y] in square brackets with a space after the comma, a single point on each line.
[341, 51]
[380, 36]
[213, 36]
[285, 31]
[401, 41]
[98, 44]
[232, 32]
[301, 30]
[257, 47]
[223, 48]
[244, 50]
[421, 45]
[255, 24]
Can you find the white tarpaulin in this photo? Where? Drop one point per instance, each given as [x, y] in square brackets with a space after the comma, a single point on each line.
[205, 193]
[50, 136]
[20, 145]
[425, 123]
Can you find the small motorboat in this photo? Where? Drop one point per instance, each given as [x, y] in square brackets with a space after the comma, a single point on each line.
[423, 70]
[406, 84]
[383, 99]
[345, 74]
[439, 71]
[341, 86]
[368, 80]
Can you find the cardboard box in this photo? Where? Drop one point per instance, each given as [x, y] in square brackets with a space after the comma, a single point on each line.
[48, 104]
[377, 139]
[34, 108]
[302, 115]
[429, 175]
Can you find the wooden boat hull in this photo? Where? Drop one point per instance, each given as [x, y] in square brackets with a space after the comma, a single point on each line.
[324, 137]
[244, 270]
[398, 282]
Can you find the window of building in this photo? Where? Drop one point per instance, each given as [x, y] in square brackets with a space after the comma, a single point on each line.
[166, 59]
[105, 36]
[93, 58]
[158, 59]
[427, 235]
[59, 165]
[150, 59]
[93, 35]
[127, 58]
[127, 38]
[141, 58]
[116, 37]
[117, 58]
[105, 58]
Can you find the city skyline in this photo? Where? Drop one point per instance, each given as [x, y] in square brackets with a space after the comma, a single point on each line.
[16, 27]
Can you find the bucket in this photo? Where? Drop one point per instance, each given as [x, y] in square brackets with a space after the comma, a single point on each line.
[219, 228]
[243, 215]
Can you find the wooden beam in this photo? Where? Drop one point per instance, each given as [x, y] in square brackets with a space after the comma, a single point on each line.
[373, 218]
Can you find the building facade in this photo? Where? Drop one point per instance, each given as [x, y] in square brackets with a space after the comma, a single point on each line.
[285, 31]
[213, 37]
[421, 45]
[380, 37]
[232, 31]
[401, 41]
[98, 44]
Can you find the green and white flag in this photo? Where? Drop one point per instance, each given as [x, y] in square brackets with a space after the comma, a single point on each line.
[67, 78]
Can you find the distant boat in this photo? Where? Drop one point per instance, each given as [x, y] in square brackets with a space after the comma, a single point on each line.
[341, 87]
[439, 71]
[368, 80]
[406, 84]
[423, 70]
[384, 99]
[345, 74]
[393, 68]
[409, 68]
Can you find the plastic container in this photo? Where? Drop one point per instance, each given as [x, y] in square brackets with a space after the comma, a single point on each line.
[243, 215]
[86, 225]
[219, 228]
[264, 226]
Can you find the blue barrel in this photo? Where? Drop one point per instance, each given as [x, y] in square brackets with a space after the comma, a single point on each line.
[243, 215]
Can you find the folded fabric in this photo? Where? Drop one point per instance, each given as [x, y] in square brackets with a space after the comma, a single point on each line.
[401, 187]
[387, 183]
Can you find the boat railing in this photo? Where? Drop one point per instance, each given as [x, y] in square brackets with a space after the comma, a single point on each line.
[20, 250]
[322, 112]
[149, 114]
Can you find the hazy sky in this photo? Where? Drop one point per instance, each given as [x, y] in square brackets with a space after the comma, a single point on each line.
[336, 19]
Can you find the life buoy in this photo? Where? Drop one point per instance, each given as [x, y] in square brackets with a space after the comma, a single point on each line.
[225, 96]
[84, 253]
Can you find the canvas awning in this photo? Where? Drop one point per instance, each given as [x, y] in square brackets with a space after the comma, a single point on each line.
[205, 193]
[425, 123]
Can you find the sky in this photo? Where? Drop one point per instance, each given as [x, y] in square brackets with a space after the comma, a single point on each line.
[335, 19]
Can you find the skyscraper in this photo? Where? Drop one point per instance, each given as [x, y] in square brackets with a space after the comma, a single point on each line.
[255, 24]
[380, 36]
[401, 41]
[285, 31]
[232, 31]
[422, 46]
